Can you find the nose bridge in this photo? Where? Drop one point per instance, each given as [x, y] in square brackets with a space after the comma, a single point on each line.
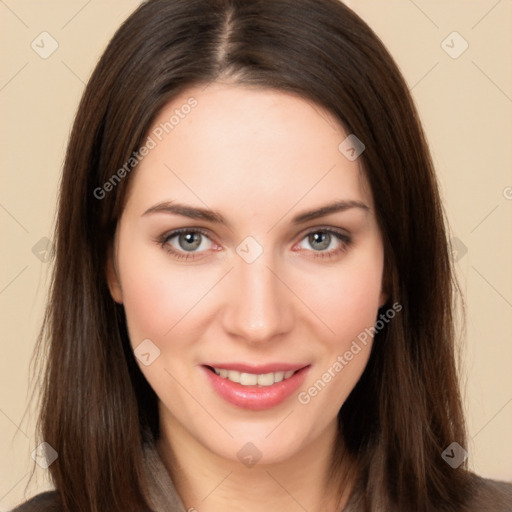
[259, 308]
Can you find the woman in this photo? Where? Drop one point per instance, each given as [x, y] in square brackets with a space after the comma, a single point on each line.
[212, 349]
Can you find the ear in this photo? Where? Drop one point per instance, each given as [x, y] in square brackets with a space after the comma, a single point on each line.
[383, 298]
[385, 287]
[113, 281]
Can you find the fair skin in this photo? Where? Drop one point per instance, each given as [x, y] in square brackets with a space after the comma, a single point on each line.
[259, 158]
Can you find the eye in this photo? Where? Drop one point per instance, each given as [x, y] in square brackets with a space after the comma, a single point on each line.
[321, 239]
[185, 243]
[188, 243]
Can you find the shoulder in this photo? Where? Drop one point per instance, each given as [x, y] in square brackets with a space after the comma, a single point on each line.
[44, 502]
[490, 495]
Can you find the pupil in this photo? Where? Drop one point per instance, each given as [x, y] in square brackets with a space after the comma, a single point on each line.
[320, 238]
[192, 239]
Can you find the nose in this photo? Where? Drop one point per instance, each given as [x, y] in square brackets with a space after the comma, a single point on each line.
[260, 306]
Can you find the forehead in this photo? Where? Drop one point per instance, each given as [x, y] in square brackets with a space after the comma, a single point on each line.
[243, 146]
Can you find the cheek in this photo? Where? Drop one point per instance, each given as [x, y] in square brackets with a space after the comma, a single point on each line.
[156, 296]
[147, 306]
[346, 299]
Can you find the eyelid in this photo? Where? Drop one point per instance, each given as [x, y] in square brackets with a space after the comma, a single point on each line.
[325, 228]
[165, 237]
[342, 235]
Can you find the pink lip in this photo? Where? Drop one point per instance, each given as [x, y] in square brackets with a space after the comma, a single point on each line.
[256, 398]
[264, 368]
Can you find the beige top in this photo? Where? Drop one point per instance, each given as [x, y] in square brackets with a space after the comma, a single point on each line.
[490, 495]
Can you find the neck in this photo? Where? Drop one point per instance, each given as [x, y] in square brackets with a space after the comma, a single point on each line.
[207, 482]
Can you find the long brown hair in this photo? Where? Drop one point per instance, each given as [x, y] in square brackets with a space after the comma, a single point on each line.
[97, 408]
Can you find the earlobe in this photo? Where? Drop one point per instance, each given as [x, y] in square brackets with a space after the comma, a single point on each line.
[383, 298]
[384, 295]
[385, 287]
[113, 282]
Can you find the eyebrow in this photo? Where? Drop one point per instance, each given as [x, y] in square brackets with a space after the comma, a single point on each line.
[197, 213]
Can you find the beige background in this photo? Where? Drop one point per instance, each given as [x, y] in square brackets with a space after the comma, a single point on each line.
[465, 104]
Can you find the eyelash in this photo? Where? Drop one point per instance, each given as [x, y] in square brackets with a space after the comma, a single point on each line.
[345, 239]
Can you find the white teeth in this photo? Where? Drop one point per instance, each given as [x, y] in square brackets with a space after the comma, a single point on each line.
[278, 376]
[266, 379]
[233, 375]
[248, 379]
[251, 379]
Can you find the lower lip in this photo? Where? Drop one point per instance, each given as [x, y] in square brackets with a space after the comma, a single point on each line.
[253, 397]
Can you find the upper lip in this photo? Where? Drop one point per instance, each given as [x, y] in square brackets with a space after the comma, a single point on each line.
[258, 369]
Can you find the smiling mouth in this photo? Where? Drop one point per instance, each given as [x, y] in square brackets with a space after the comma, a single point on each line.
[255, 387]
[252, 379]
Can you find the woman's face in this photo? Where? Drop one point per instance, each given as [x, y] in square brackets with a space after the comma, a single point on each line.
[257, 286]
